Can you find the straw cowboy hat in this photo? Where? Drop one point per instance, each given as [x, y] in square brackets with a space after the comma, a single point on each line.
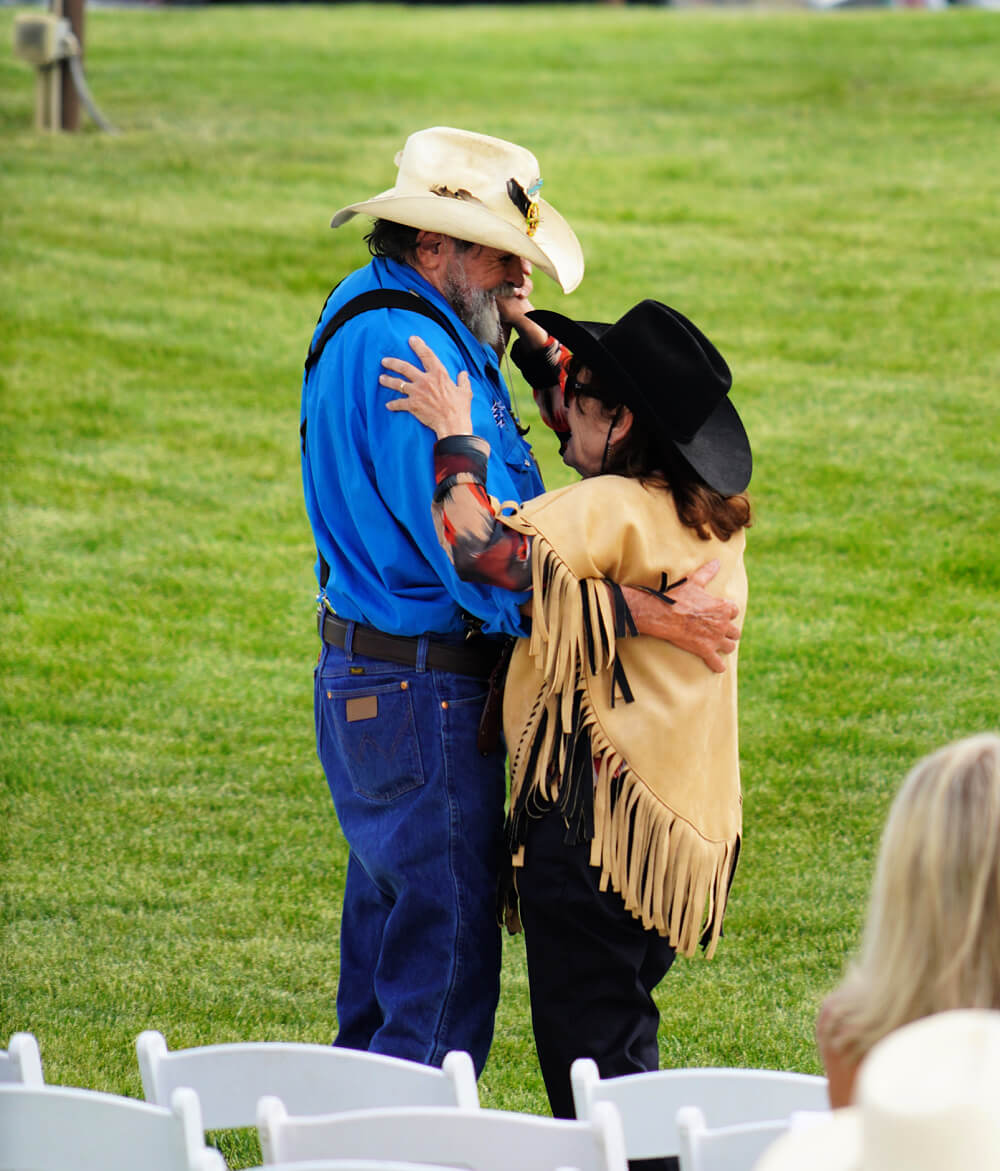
[480, 189]
[674, 380]
[928, 1100]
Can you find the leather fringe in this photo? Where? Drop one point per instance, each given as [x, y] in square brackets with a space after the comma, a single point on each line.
[671, 877]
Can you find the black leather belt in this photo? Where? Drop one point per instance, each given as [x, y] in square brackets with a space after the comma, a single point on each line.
[476, 656]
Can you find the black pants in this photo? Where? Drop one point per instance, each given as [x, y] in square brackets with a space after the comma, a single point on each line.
[591, 966]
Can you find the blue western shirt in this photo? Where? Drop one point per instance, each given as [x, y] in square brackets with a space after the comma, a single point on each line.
[368, 473]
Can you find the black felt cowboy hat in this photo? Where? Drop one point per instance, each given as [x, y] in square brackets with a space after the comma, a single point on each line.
[671, 376]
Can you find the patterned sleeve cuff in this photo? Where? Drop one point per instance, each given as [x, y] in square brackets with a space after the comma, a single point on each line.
[539, 368]
[460, 455]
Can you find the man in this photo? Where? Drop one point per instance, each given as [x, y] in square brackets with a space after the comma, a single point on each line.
[407, 647]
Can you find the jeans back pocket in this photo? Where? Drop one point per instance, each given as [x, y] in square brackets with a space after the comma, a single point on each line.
[370, 731]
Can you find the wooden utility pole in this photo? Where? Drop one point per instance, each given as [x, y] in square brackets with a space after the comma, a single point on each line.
[73, 11]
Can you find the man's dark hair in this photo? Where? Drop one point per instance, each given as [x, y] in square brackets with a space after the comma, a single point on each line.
[393, 241]
[398, 241]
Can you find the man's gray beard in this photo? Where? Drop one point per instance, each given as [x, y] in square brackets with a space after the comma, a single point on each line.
[475, 308]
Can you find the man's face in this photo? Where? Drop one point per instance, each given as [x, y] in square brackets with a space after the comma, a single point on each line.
[474, 279]
[489, 269]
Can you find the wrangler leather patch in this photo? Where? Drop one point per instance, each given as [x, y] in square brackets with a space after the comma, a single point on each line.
[364, 708]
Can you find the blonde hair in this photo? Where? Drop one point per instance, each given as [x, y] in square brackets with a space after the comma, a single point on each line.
[932, 937]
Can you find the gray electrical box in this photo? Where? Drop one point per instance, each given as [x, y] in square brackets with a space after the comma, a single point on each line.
[41, 38]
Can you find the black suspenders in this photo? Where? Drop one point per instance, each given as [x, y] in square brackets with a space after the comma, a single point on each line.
[375, 299]
[382, 299]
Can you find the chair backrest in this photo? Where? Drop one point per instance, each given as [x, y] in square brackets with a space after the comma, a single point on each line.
[648, 1102]
[21, 1062]
[51, 1128]
[484, 1140]
[311, 1079]
[724, 1148]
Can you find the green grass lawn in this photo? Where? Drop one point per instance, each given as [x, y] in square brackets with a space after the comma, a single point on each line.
[818, 191]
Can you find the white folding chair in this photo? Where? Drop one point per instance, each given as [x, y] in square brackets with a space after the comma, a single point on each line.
[312, 1079]
[52, 1128]
[482, 1140]
[724, 1148]
[359, 1165]
[363, 1165]
[21, 1062]
[648, 1102]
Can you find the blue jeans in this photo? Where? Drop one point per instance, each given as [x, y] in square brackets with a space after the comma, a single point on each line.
[422, 812]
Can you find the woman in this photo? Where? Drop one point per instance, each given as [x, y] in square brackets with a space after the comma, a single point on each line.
[931, 940]
[624, 820]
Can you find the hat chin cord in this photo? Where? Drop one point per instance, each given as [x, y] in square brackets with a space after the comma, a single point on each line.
[607, 442]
